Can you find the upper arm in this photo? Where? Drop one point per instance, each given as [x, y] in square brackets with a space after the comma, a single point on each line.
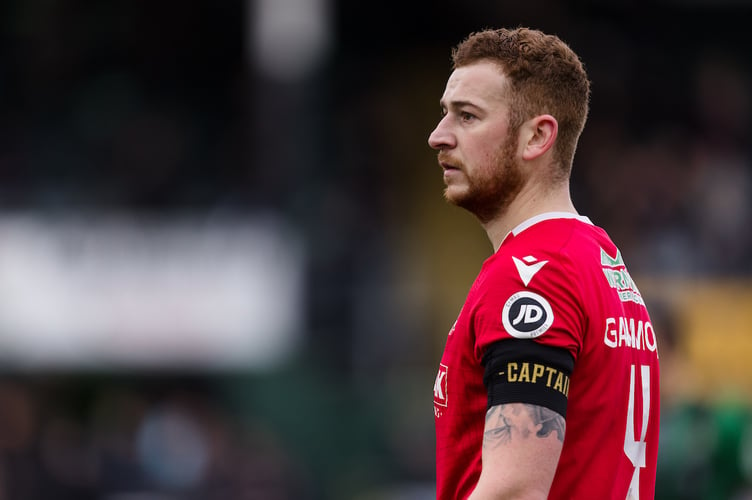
[528, 388]
[521, 447]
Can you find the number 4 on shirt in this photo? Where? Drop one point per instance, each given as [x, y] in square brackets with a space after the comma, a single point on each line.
[635, 450]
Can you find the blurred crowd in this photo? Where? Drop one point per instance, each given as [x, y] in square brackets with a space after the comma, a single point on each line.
[158, 108]
[127, 440]
[678, 189]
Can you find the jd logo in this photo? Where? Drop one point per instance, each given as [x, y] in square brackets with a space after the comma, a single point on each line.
[527, 315]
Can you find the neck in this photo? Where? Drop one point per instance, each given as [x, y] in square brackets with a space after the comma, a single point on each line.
[527, 204]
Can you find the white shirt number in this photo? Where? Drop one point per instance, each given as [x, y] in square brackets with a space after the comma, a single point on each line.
[635, 450]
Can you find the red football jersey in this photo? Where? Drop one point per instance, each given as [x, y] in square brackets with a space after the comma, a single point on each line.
[561, 281]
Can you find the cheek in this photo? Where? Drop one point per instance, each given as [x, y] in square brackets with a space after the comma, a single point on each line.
[488, 158]
[478, 150]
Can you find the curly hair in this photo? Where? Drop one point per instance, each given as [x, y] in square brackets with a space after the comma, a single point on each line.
[545, 77]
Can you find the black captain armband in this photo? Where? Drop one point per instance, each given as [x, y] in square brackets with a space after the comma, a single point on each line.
[524, 371]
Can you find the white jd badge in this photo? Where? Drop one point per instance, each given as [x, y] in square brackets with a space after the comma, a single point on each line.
[527, 315]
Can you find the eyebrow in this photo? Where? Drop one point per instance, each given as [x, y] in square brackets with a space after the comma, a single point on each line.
[459, 104]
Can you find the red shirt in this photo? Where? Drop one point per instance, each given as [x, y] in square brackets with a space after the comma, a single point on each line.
[585, 302]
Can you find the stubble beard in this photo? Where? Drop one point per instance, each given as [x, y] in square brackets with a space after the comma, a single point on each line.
[490, 191]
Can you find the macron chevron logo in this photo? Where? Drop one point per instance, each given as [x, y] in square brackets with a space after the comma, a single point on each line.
[527, 267]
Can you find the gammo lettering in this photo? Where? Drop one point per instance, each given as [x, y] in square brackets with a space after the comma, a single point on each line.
[626, 332]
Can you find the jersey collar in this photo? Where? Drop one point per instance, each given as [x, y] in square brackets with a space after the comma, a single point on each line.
[546, 216]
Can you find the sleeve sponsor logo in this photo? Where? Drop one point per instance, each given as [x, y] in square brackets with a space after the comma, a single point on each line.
[527, 315]
[619, 279]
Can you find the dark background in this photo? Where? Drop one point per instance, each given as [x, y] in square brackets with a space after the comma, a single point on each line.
[159, 108]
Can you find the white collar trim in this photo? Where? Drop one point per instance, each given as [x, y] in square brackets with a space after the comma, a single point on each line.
[547, 216]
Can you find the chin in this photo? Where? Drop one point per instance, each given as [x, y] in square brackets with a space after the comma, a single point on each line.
[455, 195]
[483, 209]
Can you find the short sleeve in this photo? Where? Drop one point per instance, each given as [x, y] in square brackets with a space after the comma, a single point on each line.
[546, 309]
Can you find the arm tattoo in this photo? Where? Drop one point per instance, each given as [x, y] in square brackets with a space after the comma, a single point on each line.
[505, 421]
[498, 429]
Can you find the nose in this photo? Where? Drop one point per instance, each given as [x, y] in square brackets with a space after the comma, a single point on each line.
[441, 137]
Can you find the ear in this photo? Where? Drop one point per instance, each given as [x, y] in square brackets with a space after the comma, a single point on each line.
[539, 135]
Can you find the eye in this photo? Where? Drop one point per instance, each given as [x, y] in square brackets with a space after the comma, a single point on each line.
[467, 117]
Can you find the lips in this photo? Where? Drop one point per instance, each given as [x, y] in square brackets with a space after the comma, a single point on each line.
[447, 164]
[451, 171]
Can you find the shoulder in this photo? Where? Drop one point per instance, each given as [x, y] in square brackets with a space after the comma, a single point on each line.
[551, 249]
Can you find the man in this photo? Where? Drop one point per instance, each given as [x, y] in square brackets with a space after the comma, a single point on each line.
[548, 385]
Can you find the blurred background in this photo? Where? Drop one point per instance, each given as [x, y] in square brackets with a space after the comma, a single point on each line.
[227, 270]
